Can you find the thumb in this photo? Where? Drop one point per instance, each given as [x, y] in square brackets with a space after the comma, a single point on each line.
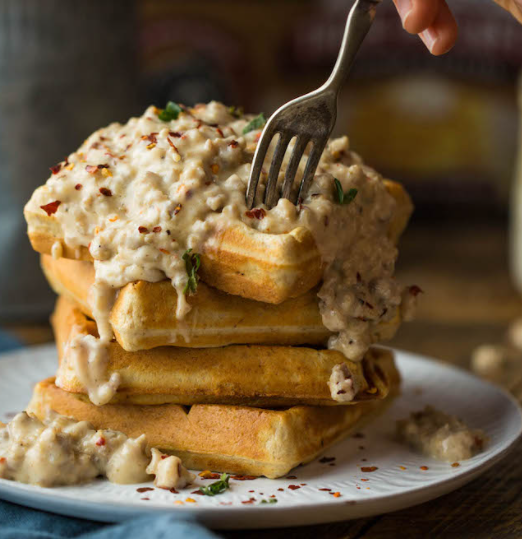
[513, 6]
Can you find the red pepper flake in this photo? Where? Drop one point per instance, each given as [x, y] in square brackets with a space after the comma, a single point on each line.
[243, 477]
[303, 484]
[220, 133]
[225, 503]
[198, 492]
[416, 290]
[455, 465]
[51, 208]
[325, 489]
[326, 460]
[164, 457]
[164, 251]
[145, 499]
[249, 502]
[175, 134]
[100, 441]
[402, 468]
[93, 169]
[336, 494]
[291, 477]
[105, 192]
[424, 468]
[209, 475]
[233, 143]
[172, 145]
[256, 213]
[177, 209]
[273, 496]
[364, 479]
[281, 489]
[56, 168]
[294, 487]
[144, 489]
[151, 138]
[368, 469]
[78, 187]
[173, 490]
[156, 229]
[251, 491]
[143, 230]
[2, 460]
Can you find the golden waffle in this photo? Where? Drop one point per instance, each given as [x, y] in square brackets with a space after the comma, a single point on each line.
[142, 315]
[249, 374]
[234, 439]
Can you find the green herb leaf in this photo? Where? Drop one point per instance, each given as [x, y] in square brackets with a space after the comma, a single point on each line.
[216, 488]
[257, 123]
[170, 112]
[192, 264]
[270, 500]
[342, 197]
[237, 112]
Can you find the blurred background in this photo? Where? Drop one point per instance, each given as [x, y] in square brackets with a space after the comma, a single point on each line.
[446, 127]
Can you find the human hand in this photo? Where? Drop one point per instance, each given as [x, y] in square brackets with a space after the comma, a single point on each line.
[434, 23]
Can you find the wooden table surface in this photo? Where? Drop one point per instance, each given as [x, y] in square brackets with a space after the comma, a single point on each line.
[469, 300]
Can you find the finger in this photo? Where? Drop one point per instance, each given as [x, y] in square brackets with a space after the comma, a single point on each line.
[417, 15]
[513, 6]
[442, 34]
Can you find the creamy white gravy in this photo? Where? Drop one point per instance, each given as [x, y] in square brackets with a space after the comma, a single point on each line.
[62, 451]
[441, 436]
[140, 194]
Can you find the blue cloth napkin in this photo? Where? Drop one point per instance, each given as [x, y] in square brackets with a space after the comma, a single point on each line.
[17, 522]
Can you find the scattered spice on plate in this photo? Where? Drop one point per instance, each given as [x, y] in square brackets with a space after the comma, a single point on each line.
[294, 487]
[424, 468]
[368, 469]
[455, 465]
[327, 459]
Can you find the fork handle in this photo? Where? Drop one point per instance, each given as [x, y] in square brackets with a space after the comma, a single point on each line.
[358, 23]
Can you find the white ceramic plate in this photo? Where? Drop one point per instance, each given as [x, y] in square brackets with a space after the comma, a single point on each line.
[398, 481]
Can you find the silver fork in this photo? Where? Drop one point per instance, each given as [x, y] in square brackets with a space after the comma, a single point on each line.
[310, 118]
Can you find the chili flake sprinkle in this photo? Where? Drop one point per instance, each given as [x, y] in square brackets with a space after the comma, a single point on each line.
[51, 208]
[105, 192]
[156, 229]
[143, 230]
[56, 168]
[455, 465]
[424, 468]
[294, 487]
[256, 213]
[100, 442]
[368, 469]
[326, 459]
[78, 187]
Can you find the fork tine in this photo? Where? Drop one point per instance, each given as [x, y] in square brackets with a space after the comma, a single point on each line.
[311, 166]
[257, 165]
[271, 184]
[291, 170]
